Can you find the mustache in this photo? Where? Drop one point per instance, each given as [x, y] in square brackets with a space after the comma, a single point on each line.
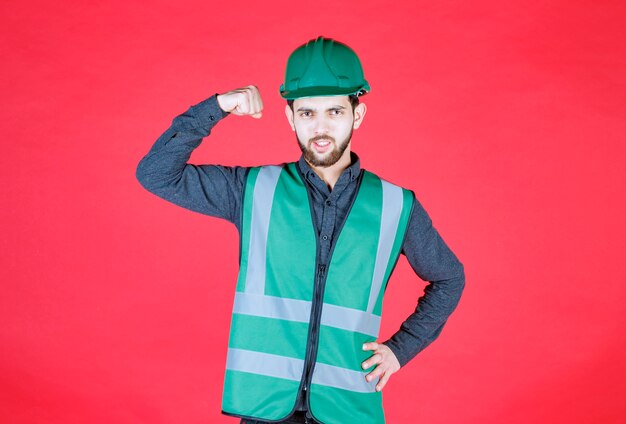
[321, 137]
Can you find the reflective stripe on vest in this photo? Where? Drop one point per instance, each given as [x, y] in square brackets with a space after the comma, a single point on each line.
[273, 300]
[291, 369]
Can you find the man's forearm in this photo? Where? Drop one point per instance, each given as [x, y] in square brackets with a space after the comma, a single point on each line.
[166, 160]
[424, 325]
[213, 190]
[433, 261]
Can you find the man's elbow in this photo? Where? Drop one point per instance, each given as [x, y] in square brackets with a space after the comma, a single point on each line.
[460, 279]
[142, 174]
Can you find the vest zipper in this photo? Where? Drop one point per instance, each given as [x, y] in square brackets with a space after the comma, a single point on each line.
[316, 308]
[318, 296]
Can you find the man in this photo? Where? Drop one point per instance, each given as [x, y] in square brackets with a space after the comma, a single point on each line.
[319, 240]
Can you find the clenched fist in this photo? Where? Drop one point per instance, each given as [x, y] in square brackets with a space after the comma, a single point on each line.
[242, 101]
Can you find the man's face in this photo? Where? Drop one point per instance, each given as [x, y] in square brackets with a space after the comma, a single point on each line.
[323, 127]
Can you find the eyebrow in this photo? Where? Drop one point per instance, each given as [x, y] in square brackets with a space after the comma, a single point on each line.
[308, 109]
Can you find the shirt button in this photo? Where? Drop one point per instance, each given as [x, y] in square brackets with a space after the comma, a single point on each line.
[324, 237]
[328, 203]
[211, 117]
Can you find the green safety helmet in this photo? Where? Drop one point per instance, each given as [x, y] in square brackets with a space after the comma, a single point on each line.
[323, 67]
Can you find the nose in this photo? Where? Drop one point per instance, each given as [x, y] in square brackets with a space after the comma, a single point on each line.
[321, 125]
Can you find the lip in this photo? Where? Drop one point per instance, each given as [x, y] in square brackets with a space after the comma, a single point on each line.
[322, 148]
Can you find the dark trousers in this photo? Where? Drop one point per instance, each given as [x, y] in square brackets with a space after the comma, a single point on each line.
[298, 417]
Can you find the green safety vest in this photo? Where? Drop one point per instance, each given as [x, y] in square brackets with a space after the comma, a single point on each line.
[291, 314]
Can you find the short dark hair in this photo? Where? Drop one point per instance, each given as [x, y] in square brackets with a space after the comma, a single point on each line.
[354, 101]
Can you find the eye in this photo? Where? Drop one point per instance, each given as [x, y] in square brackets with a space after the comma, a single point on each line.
[305, 114]
[336, 112]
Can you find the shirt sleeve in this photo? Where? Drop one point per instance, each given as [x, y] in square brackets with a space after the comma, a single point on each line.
[213, 190]
[433, 261]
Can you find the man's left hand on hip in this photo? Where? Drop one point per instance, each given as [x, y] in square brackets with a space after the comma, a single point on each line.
[386, 361]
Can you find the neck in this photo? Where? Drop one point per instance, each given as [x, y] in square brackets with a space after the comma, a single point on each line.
[330, 174]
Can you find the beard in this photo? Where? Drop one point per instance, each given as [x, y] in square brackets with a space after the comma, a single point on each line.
[328, 158]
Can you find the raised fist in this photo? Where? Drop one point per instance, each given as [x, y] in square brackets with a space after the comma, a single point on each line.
[242, 101]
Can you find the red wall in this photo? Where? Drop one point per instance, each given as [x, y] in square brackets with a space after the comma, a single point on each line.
[506, 118]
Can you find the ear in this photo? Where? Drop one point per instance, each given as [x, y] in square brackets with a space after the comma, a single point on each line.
[289, 114]
[359, 114]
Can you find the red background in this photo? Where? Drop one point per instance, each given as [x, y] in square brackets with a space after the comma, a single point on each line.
[506, 118]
